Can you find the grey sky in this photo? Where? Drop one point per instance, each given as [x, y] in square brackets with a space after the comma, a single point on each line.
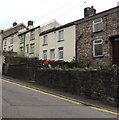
[43, 11]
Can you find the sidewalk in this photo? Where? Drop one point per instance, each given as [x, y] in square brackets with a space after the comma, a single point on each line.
[84, 101]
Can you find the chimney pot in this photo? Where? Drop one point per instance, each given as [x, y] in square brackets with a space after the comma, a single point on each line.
[15, 23]
[30, 24]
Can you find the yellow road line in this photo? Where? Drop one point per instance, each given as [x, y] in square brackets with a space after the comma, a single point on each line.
[104, 110]
[61, 98]
[49, 94]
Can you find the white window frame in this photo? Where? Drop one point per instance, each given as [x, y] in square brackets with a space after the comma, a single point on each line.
[11, 48]
[22, 38]
[12, 39]
[96, 23]
[32, 34]
[61, 35]
[22, 49]
[32, 46]
[27, 48]
[5, 42]
[61, 51]
[94, 44]
[44, 54]
[45, 39]
[52, 54]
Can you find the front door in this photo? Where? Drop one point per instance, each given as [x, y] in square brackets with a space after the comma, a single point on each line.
[115, 47]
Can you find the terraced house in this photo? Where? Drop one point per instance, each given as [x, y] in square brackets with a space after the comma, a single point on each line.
[10, 37]
[58, 43]
[96, 36]
[29, 40]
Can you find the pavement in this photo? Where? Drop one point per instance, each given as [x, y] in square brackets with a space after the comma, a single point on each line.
[83, 100]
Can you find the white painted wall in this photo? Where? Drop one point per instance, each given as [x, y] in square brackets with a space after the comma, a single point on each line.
[68, 44]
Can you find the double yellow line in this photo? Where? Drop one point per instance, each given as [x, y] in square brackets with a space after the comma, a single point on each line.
[61, 97]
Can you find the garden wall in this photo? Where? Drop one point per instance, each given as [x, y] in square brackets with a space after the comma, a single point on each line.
[95, 84]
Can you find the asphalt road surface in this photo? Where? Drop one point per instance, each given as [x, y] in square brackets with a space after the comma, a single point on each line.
[24, 102]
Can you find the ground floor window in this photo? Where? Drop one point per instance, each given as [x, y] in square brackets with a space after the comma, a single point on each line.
[97, 48]
[61, 53]
[45, 54]
[11, 48]
[32, 48]
[21, 49]
[52, 54]
[27, 49]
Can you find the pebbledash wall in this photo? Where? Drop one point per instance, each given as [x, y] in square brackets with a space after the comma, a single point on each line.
[85, 44]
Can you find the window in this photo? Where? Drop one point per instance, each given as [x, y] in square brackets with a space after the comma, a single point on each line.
[61, 53]
[32, 48]
[45, 40]
[12, 39]
[27, 49]
[97, 48]
[5, 44]
[21, 49]
[97, 25]
[33, 35]
[52, 54]
[11, 48]
[45, 54]
[22, 38]
[61, 35]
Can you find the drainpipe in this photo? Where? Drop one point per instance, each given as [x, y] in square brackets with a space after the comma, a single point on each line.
[77, 46]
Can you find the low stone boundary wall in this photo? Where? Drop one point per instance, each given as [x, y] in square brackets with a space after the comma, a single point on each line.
[95, 84]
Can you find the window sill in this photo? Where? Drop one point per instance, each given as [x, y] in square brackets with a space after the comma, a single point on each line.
[31, 53]
[60, 40]
[101, 56]
[22, 43]
[60, 60]
[45, 44]
[32, 39]
[97, 32]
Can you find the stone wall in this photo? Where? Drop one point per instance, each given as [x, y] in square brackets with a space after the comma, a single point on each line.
[85, 44]
[94, 84]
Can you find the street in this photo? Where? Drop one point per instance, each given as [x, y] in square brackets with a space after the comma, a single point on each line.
[24, 102]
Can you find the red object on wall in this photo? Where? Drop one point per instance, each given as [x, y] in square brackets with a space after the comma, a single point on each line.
[90, 60]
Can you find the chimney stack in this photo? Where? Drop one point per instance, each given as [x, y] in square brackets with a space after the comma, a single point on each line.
[30, 24]
[15, 23]
[89, 11]
[118, 3]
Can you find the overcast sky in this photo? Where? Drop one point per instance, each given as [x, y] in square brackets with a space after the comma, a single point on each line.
[43, 11]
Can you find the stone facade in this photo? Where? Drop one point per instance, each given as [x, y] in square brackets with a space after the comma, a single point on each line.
[85, 44]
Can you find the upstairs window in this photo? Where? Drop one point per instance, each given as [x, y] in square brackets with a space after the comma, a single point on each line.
[97, 48]
[22, 38]
[61, 35]
[45, 40]
[5, 43]
[97, 25]
[12, 39]
[33, 35]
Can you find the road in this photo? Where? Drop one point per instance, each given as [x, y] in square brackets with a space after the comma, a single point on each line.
[20, 101]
